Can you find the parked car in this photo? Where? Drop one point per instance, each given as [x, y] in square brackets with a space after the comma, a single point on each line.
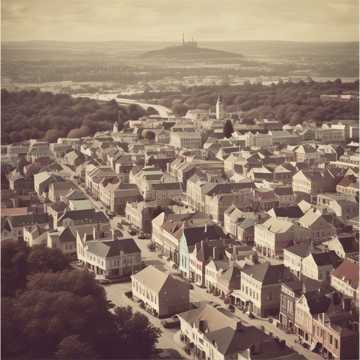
[132, 232]
[231, 308]
[171, 323]
[142, 236]
[110, 304]
[251, 315]
[104, 281]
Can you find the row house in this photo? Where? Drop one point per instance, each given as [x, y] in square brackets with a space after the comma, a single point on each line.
[59, 189]
[190, 237]
[13, 226]
[349, 185]
[167, 230]
[327, 134]
[20, 183]
[108, 257]
[145, 178]
[73, 159]
[221, 196]
[81, 219]
[64, 239]
[59, 150]
[212, 334]
[201, 254]
[162, 294]
[306, 153]
[344, 245]
[318, 266]
[35, 235]
[94, 175]
[240, 224]
[275, 235]
[164, 192]
[345, 280]
[186, 139]
[141, 214]
[182, 169]
[42, 182]
[317, 227]
[324, 323]
[344, 206]
[260, 288]
[222, 278]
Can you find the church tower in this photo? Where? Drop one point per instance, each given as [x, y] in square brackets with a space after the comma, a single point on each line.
[219, 109]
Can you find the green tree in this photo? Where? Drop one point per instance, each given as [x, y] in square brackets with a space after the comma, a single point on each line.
[14, 267]
[72, 348]
[228, 129]
[44, 259]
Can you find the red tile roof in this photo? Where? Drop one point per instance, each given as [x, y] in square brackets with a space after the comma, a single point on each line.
[348, 271]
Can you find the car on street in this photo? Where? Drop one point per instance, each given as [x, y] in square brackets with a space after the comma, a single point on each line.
[171, 323]
[231, 307]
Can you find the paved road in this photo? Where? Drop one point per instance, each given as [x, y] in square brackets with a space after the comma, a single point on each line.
[163, 111]
[116, 292]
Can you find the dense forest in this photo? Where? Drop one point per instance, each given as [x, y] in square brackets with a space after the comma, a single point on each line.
[50, 311]
[286, 101]
[43, 115]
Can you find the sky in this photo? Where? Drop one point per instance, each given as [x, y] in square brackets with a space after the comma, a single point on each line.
[165, 20]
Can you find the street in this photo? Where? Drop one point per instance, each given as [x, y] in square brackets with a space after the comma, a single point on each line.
[116, 292]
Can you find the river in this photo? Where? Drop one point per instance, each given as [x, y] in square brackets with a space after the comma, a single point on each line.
[163, 111]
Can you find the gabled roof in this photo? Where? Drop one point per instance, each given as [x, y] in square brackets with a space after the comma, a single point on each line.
[317, 302]
[111, 248]
[266, 273]
[155, 279]
[325, 258]
[301, 250]
[293, 212]
[84, 216]
[30, 219]
[348, 271]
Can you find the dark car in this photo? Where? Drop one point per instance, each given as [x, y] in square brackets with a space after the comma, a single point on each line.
[132, 232]
[171, 323]
[104, 281]
[231, 308]
[251, 315]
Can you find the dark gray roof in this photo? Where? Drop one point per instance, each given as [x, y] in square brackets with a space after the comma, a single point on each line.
[194, 235]
[230, 341]
[167, 186]
[326, 258]
[318, 303]
[110, 248]
[266, 273]
[67, 236]
[87, 216]
[301, 250]
[293, 212]
[30, 219]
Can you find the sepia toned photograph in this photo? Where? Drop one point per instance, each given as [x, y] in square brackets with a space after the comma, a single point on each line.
[180, 180]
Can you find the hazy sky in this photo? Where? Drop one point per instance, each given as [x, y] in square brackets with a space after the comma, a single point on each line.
[98, 20]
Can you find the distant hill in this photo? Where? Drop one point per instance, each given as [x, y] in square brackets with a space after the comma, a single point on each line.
[183, 52]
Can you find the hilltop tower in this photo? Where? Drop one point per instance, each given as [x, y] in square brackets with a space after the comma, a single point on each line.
[219, 108]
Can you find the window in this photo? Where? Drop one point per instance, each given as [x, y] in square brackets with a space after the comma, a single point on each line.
[336, 344]
[330, 339]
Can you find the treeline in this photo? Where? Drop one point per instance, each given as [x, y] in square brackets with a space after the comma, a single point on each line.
[52, 312]
[286, 101]
[44, 115]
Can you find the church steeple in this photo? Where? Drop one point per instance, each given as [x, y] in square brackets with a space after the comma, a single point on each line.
[219, 108]
[115, 127]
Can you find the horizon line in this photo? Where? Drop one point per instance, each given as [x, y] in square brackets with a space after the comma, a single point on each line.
[204, 41]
